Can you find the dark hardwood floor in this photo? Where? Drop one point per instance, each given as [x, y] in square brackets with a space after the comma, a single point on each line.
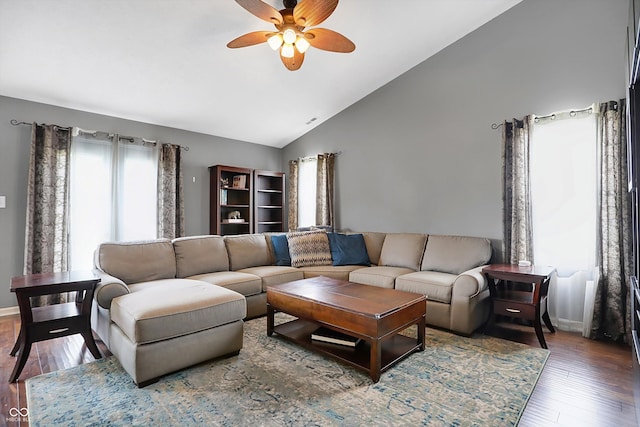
[585, 382]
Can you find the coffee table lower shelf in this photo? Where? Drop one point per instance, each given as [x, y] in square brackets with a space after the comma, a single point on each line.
[394, 348]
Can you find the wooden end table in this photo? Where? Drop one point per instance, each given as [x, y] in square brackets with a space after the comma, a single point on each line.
[52, 321]
[528, 305]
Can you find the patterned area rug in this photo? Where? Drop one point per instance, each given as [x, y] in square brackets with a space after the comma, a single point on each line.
[456, 381]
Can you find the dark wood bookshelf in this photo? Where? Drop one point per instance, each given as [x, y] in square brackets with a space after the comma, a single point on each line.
[225, 199]
[268, 201]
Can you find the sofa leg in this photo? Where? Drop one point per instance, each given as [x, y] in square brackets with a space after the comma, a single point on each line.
[148, 382]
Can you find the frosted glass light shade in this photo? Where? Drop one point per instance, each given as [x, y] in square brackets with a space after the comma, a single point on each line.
[302, 44]
[287, 50]
[275, 41]
[289, 36]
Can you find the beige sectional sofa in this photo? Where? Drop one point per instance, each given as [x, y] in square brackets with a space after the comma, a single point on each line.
[164, 305]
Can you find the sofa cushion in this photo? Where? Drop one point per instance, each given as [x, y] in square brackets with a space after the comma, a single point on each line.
[403, 250]
[274, 274]
[200, 254]
[183, 307]
[436, 286]
[308, 248]
[247, 250]
[340, 272]
[348, 249]
[383, 277]
[243, 283]
[140, 261]
[373, 241]
[455, 254]
[281, 249]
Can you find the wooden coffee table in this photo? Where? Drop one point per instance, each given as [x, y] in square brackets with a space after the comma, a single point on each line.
[375, 315]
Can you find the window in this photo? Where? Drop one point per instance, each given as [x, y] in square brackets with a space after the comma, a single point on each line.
[563, 189]
[113, 194]
[564, 209]
[307, 185]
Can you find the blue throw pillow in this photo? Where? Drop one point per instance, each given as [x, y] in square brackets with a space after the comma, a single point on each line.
[281, 249]
[348, 249]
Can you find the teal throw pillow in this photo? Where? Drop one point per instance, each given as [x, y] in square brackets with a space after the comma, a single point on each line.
[348, 249]
[281, 249]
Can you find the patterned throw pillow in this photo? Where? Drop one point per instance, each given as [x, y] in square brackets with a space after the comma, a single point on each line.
[309, 248]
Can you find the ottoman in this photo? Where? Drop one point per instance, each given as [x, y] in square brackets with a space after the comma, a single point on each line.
[188, 322]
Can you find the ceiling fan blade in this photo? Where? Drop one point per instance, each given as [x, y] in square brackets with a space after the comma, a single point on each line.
[312, 12]
[324, 39]
[294, 63]
[250, 39]
[262, 10]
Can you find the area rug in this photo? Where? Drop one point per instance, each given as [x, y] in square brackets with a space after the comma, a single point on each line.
[456, 381]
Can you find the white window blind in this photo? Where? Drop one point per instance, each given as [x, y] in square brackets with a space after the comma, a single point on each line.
[307, 174]
[564, 211]
[113, 194]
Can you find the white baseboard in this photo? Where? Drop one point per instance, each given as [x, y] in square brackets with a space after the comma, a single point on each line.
[9, 311]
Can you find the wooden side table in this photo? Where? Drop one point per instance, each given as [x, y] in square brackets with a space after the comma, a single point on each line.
[529, 305]
[53, 321]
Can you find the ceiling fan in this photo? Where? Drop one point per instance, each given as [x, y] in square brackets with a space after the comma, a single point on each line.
[290, 36]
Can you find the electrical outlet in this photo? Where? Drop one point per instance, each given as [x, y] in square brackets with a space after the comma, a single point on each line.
[3, 202]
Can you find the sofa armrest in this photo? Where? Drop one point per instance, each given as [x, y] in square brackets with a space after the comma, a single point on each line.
[470, 283]
[469, 301]
[109, 288]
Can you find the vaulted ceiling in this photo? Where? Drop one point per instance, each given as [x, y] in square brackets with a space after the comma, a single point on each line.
[166, 62]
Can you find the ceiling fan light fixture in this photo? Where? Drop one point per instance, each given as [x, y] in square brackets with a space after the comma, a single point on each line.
[296, 29]
[302, 44]
[275, 41]
[287, 50]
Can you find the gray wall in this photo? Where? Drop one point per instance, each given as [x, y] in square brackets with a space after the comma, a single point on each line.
[204, 151]
[419, 154]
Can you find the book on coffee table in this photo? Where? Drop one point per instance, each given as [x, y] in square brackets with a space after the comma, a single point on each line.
[327, 335]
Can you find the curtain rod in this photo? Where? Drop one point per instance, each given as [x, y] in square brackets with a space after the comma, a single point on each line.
[316, 156]
[15, 122]
[552, 116]
[572, 113]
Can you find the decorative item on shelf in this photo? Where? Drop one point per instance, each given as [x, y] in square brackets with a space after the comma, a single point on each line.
[234, 217]
[240, 181]
[224, 182]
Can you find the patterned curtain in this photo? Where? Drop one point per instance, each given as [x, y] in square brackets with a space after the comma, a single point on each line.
[47, 196]
[293, 195]
[611, 317]
[325, 190]
[516, 191]
[170, 192]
